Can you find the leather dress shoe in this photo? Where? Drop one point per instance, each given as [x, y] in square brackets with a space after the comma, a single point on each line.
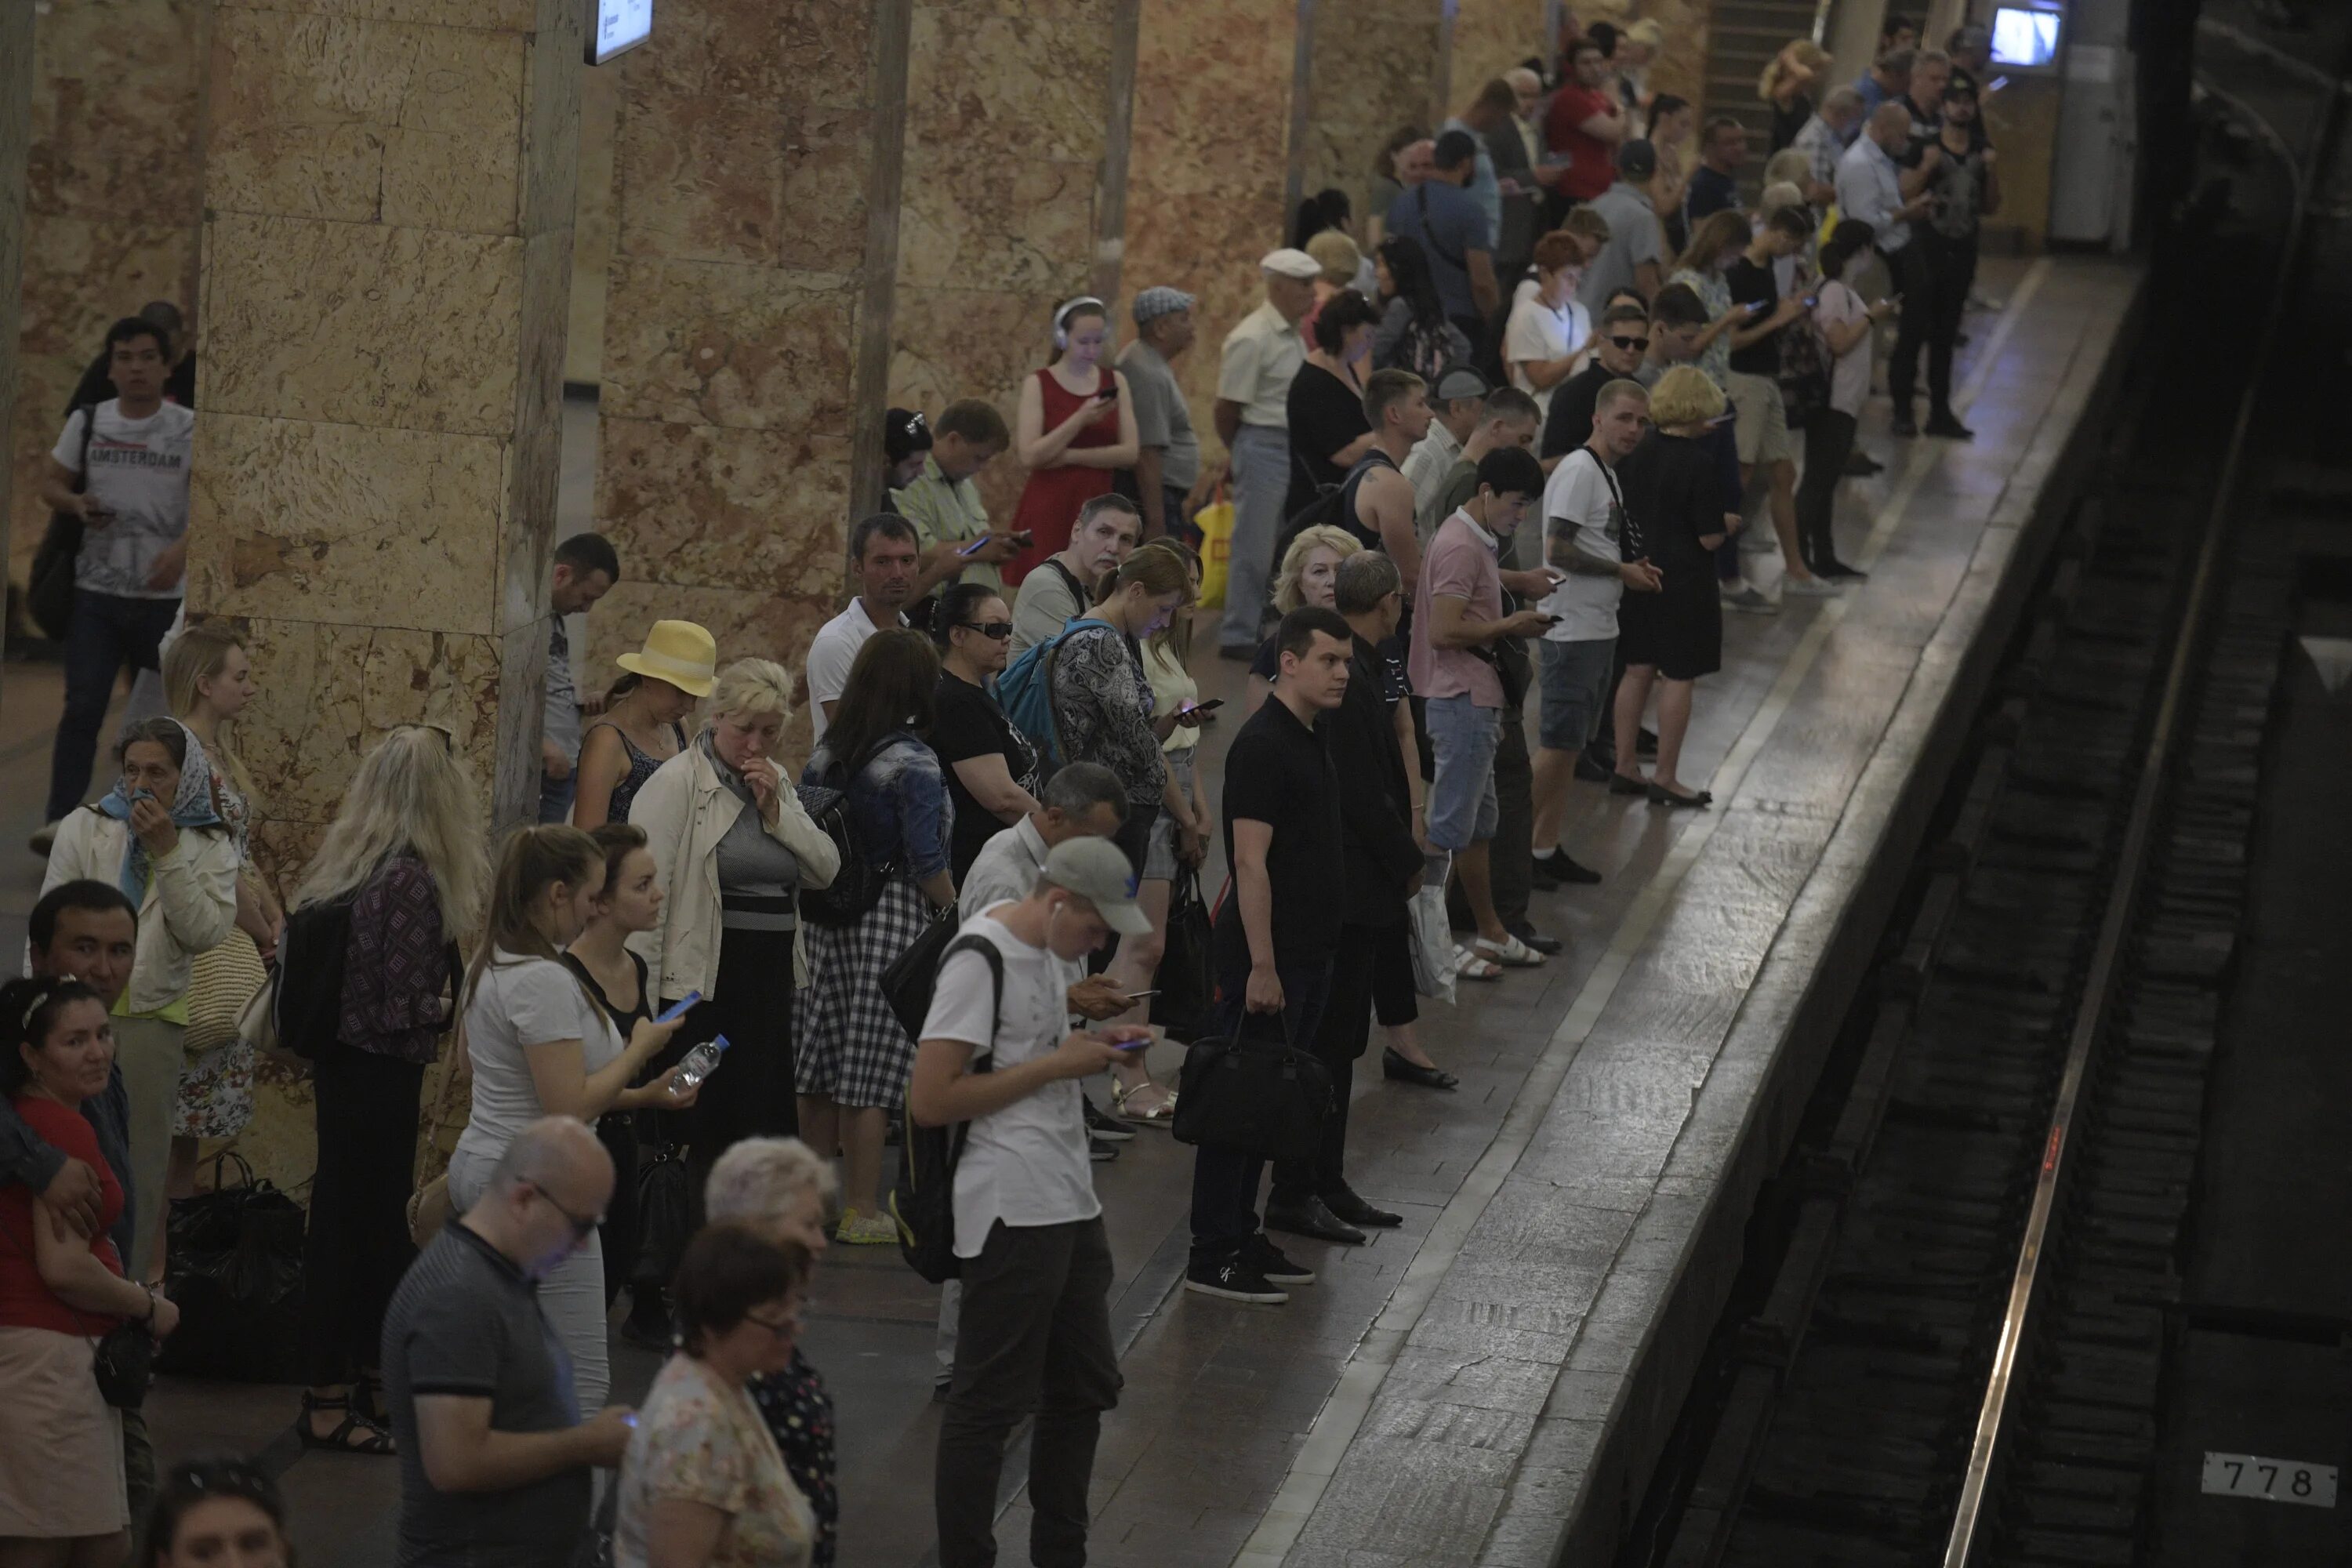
[1313, 1219]
[1350, 1207]
[1393, 1066]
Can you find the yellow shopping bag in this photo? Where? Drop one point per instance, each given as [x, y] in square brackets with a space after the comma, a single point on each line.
[1215, 522]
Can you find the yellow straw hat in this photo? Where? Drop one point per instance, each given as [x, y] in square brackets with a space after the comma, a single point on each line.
[677, 652]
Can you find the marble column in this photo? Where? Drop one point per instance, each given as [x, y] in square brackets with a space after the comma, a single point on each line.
[1375, 67]
[15, 130]
[113, 194]
[1216, 84]
[387, 244]
[1015, 171]
[755, 245]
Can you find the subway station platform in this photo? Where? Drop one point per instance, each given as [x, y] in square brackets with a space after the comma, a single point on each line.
[1489, 1385]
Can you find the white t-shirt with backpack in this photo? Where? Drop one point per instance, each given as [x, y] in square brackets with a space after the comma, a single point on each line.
[139, 473]
[1027, 1164]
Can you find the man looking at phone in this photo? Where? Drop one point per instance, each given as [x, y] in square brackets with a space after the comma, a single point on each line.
[120, 470]
[1873, 188]
[1277, 933]
[886, 555]
[1761, 428]
[1061, 585]
[1457, 620]
[951, 528]
[1583, 521]
[1036, 1267]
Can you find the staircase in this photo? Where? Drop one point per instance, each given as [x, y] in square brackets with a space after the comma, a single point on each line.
[1742, 37]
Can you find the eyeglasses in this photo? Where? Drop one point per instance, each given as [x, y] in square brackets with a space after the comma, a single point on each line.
[787, 1328]
[580, 1225]
[996, 630]
[1630, 345]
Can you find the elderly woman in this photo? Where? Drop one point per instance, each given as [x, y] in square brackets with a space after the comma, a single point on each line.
[159, 836]
[733, 848]
[60, 1293]
[777, 1189]
[856, 1055]
[703, 1484]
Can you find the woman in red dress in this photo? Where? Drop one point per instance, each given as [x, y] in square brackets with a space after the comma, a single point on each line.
[1075, 426]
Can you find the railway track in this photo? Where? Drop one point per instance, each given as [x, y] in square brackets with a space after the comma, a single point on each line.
[1956, 1352]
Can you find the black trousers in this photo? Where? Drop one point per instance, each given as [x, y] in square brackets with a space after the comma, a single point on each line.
[1339, 1040]
[617, 1131]
[357, 1247]
[1828, 441]
[1914, 272]
[750, 1093]
[1034, 1339]
[1952, 264]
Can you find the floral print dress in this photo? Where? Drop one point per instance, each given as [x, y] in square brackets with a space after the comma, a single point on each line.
[216, 1098]
[700, 1440]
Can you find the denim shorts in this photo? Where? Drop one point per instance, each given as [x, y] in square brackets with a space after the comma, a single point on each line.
[1575, 691]
[1462, 808]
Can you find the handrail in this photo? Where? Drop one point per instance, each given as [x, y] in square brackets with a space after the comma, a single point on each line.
[1969, 1519]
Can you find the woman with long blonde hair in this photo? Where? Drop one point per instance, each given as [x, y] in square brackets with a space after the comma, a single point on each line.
[1309, 575]
[402, 870]
[1787, 84]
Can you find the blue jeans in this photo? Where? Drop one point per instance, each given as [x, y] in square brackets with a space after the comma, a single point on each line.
[1463, 806]
[1261, 483]
[555, 797]
[108, 632]
[1225, 1182]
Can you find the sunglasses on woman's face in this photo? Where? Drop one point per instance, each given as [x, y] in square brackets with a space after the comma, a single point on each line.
[997, 630]
[1632, 345]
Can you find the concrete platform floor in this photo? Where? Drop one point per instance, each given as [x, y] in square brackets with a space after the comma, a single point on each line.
[1449, 1392]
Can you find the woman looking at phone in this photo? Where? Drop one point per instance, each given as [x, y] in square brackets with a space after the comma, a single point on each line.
[992, 768]
[1073, 428]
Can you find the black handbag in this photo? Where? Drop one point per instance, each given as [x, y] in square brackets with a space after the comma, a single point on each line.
[665, 1219]
[1187, 977]
[125, 1364]
[50, 586]
[908, 982]
[236, 1270]
[1262, 1097]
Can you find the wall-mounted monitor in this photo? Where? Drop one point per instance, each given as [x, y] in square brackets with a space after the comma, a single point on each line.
[2025, 37]
[616, 26]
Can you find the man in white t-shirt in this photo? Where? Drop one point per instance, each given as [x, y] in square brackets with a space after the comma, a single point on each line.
[1035, 1265]
[121, 470]
[1584, 519]
[887, 558]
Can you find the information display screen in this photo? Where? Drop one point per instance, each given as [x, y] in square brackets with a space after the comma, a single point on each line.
[614, 25]
[2024, 36]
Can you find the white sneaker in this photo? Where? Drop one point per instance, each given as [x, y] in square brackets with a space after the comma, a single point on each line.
[1809, 587]
[1747, 600]
[43, 836]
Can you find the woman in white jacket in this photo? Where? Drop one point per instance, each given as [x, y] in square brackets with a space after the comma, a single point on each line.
[158, 836]
[734, 847]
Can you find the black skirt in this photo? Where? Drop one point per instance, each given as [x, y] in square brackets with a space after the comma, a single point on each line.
[1678, 630]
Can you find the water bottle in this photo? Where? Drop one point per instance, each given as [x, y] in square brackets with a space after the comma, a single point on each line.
[697, 1065]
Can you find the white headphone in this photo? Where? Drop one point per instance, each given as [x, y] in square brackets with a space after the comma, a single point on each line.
[1062, 319]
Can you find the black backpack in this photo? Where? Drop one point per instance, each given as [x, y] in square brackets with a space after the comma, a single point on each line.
[308, 1005]
[858, 885]
[923, 1201]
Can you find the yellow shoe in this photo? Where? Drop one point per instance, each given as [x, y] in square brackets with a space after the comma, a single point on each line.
[857, 1229]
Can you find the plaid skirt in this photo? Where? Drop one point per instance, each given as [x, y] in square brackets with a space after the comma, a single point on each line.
[851, 1047]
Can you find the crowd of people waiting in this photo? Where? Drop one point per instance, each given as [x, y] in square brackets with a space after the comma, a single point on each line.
[1500, 441]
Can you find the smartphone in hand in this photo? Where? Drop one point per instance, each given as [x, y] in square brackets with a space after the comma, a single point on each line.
[678, 1009]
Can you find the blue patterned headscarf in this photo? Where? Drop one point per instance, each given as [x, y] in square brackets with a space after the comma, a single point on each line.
[195, 806]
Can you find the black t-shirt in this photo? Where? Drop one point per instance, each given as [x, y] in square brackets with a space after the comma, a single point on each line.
[968, 723]
[1570, 424]
[1751, 284]
[1786, 122]
[1279, 772]
[1325, 415]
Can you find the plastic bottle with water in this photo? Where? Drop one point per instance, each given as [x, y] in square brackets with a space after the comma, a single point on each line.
[698, 1064]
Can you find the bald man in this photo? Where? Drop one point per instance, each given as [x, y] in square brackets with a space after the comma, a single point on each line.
[494, 1457]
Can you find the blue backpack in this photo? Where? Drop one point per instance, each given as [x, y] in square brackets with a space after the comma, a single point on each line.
[1025, 689]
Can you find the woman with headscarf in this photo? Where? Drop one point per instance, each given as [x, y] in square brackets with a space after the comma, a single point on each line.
[159, 836]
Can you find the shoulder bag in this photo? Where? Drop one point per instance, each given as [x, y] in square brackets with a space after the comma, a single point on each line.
[49, 586]
[1262, 1097]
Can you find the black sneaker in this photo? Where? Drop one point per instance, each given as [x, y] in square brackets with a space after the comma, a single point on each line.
[1109, 1129]
[1268, 1261]
[1949, 429]
[1543, 873]
[1568, 870]
[1100, 1152]
[1232, 1279]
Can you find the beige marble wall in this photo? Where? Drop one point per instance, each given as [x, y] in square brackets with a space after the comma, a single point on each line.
[1010, 123]
[753, 253]
[1377, 65]
[16, 135]
[592, 225]
[1490, 37]
[1205, 173]
[388, 205]
[113, 194]
[1681, 65]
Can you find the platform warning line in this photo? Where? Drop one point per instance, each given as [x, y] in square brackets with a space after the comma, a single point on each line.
[1342, 1415]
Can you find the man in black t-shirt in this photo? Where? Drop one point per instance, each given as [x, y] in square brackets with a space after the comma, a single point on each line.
[1761, 429]
[1619, 348]
[1276, 932]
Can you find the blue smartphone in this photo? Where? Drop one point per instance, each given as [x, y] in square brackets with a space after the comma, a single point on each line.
[678, 1009]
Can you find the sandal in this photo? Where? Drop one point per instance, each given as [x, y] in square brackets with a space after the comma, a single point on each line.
[1154, 1111]
[356, 1435]
[1469, 965]
[1510, 953]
